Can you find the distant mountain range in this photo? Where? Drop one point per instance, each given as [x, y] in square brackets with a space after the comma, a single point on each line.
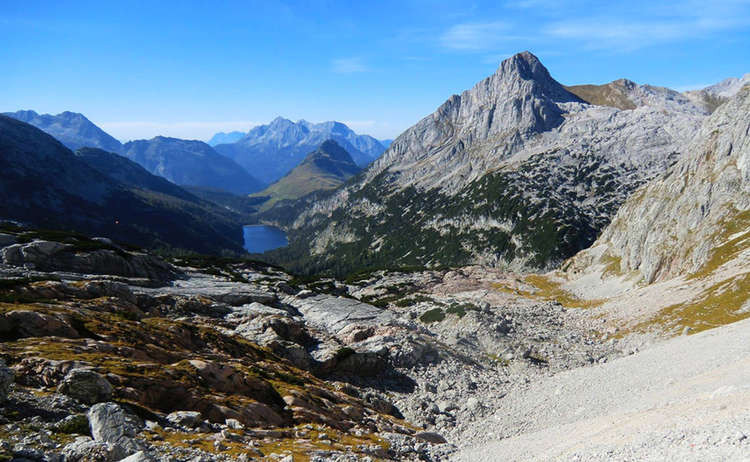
[271, 151]
[224, 138]
[328, 167]
[715, 95]
[44, 184]
[190, 163]
[71, 129]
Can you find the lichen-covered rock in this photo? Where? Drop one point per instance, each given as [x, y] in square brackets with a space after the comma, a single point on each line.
[110, 423]
[188, 419]
[56, 256]
[84, 449]
[26, 323]
[6, 380]
[43, 372]
[86, 386]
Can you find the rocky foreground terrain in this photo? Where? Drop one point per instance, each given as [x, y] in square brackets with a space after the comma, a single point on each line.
[111, 354]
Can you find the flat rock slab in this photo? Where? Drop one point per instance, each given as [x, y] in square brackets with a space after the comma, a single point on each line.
[232, 293]
[333, 314]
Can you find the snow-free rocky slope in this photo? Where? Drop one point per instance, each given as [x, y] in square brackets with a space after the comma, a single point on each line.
[72, 129]
[676, 223]
[681, 242]
[713, 96]
[516, 171]
[191, 163]
[42, 182]
[328, 167]
[686, 399]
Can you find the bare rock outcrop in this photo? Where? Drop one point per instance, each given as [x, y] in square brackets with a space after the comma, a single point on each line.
[57, 256]
[693, 218]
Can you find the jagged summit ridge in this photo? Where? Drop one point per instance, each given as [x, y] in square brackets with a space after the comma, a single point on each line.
[517, 102]
[528, 67]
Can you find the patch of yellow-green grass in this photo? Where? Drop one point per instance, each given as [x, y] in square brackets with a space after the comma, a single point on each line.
[716, 306]
[503, 362]
[612, 265]
[729, 248]
[197, 441]
[543, 288]
[610, 94]
[300, 447]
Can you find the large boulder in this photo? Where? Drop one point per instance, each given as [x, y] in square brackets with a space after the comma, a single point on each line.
[55, 256]
[42, 372]
[86, 386]
[26, 323]
[84, 449]
[139, 456]
[110, 423]
[6, 380]
[188, 419]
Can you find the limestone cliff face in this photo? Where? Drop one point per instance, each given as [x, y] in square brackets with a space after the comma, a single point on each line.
[695, 217]
[515, 171]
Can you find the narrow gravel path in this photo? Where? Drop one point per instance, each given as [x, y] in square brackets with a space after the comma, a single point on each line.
[685, 399]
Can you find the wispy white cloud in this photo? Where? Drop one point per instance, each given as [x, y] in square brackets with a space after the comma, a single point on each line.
[198, 130]
[619, 35]
[476, 36]
[348, 65]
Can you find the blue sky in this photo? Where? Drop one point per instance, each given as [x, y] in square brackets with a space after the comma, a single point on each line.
[189, 69]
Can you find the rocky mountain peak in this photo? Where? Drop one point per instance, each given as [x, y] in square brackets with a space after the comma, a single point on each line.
[280, 122]
[332, 149]
[519, 101]
[625, 83]
[72, 129]
[527, 67]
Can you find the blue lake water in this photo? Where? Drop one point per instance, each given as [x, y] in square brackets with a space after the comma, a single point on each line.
[259, 238]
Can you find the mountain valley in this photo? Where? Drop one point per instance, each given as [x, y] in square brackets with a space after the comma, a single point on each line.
[532, 272]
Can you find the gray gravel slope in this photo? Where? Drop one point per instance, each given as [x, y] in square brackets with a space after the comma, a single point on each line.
[685, 399]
